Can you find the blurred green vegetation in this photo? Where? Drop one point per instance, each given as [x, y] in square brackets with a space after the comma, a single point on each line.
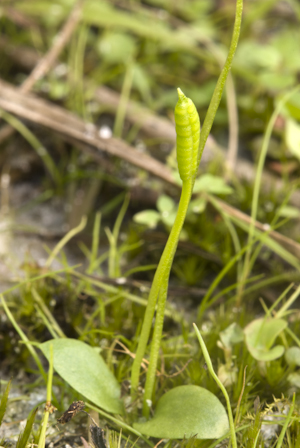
[144, 50]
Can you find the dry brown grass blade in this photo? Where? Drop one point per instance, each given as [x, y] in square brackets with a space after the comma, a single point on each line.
[57, 119]
[60, 41]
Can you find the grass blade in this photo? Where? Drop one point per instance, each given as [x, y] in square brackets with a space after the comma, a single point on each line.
[24, 436]
[3, 402]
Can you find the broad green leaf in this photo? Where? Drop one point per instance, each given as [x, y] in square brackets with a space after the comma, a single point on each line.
[165, 204]
[276, 81]
[116, 47]
[292, 107]
[149, 218]
[292, 356]
[286, 42]
[58, 89]
[168, 218]
[104, 14]
[201, 94]
[84, 369]
[212, 184]
[142, 82]
[197, 205]
[260, 336]
[254, 55]
[227, 375]
[167, 208]
[232, 335]
[187, 411]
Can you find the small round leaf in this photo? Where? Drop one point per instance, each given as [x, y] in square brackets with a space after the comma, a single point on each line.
[260, 335]
[292, 356]
[187, 411]
[149, 218]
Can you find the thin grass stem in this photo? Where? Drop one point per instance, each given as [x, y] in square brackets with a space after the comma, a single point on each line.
[257, 185]
[162, 272]
[64, 241]
[217, 95]
[286, 423]
[35, 143]
[219, 383]
[24, 338]
[42, 438]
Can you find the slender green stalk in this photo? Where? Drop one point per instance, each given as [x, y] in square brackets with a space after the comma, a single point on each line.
[256, 439]
[46, 322]
[189, 145]
[95, 243]
[121, 112]
[64, 241]
[45, 310]
[205, 303]
[80, 96]
[281, 313]
[39, 277]
[218, 441]
[232, 231]
[162, 272]
[24, 338]
[3, 401]
[113, 259]
[50, 375]
[48, 409]
[257, 185]
[286, 423]
[293, 336]
[35, 143]
[186, 193]
[219, 383]
[173, 314]
[217, 95]
[24, 435]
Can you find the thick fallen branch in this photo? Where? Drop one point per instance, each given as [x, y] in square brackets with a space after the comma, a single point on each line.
[156, 126]
[57, 119]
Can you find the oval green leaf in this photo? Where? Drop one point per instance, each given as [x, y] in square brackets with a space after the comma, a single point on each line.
[294, 379]
[292, 356]
[85, 370]
[165, 204]
[260, 335]
[231, 335]
[149, 218]
[187, 411]
[212, 184]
